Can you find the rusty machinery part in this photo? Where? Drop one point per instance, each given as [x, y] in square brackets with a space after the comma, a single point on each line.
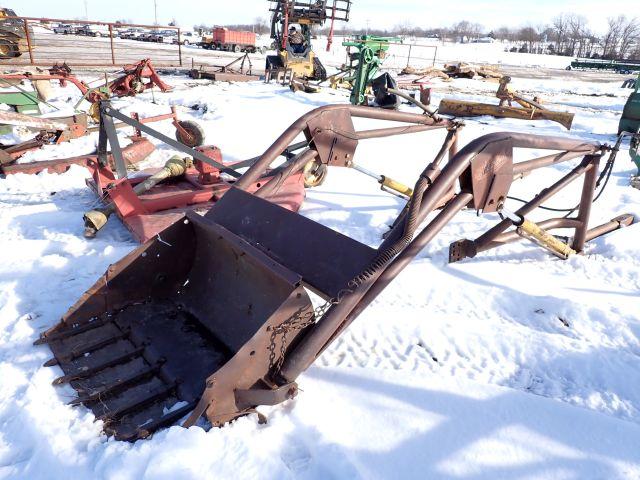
[427, 109]
[133, 80]
[315, 173]
[175, 167]
[150, 337]
[137, 78]
[190, 133]
[147, 211]
[137, 151]
[526, 110]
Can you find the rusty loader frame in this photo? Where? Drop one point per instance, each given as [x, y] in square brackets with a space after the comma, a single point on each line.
[213, 316]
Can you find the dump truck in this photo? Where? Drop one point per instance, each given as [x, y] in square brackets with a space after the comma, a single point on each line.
[230, 40]
[13, 35]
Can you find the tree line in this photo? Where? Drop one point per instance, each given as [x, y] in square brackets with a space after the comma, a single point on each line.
[567, 34]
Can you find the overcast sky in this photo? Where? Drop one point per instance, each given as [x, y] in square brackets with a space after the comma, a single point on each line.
[379, 13]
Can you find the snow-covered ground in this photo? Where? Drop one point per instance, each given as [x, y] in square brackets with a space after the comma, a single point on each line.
[510, 365]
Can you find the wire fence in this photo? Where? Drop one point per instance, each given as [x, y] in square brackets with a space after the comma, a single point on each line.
[45, 41]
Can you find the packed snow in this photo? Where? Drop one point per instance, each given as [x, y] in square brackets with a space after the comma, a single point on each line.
[511, 365]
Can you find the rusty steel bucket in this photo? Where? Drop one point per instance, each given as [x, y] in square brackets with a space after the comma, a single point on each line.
[191, 310]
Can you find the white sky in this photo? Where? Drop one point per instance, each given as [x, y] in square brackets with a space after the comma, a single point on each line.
[379, 13]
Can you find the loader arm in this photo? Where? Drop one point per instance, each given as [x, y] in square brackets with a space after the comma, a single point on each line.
[213, 316]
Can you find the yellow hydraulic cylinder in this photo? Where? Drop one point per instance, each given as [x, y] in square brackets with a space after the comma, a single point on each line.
[533, 232]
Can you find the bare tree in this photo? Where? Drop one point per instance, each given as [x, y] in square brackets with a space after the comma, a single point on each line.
[530, 36]
[577, 33]
[404, 29]
[504, 33]
[560, 28]
[261, 25]
[629, 36]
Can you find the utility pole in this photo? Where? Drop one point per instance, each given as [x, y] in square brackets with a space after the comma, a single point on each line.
[155, 8]
[86, 9]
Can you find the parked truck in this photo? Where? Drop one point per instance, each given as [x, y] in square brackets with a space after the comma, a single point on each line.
[230, 41]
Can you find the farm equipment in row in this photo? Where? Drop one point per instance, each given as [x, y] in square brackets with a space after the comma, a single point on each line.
[624, 67]
[136, 79]
[212, 316]
[527, 109]
[291, 26]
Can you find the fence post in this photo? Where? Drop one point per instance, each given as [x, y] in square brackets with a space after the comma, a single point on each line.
[28, 36]
[435, 54]
[179, 47]
[113, 54]
[409, 57]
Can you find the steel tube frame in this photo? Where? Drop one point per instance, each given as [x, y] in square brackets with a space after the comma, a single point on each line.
[487, 240]
[455, 205]
[299, 126]
[586, 202]
[322, 332]
[356, 297]
[536, 163]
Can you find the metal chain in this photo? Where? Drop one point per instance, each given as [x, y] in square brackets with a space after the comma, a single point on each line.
[299, 321]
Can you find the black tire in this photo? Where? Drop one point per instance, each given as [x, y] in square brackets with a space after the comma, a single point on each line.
[237, 48]
[195, 131]
[186, 43]
[195, 74]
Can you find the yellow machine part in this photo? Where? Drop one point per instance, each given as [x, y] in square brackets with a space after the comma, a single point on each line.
[533, 232]
[300, 67]
[392, 184]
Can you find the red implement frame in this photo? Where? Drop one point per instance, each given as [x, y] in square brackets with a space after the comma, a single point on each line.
[136, 79]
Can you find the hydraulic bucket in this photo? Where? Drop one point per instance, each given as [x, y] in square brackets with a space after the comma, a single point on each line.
[197, 311]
